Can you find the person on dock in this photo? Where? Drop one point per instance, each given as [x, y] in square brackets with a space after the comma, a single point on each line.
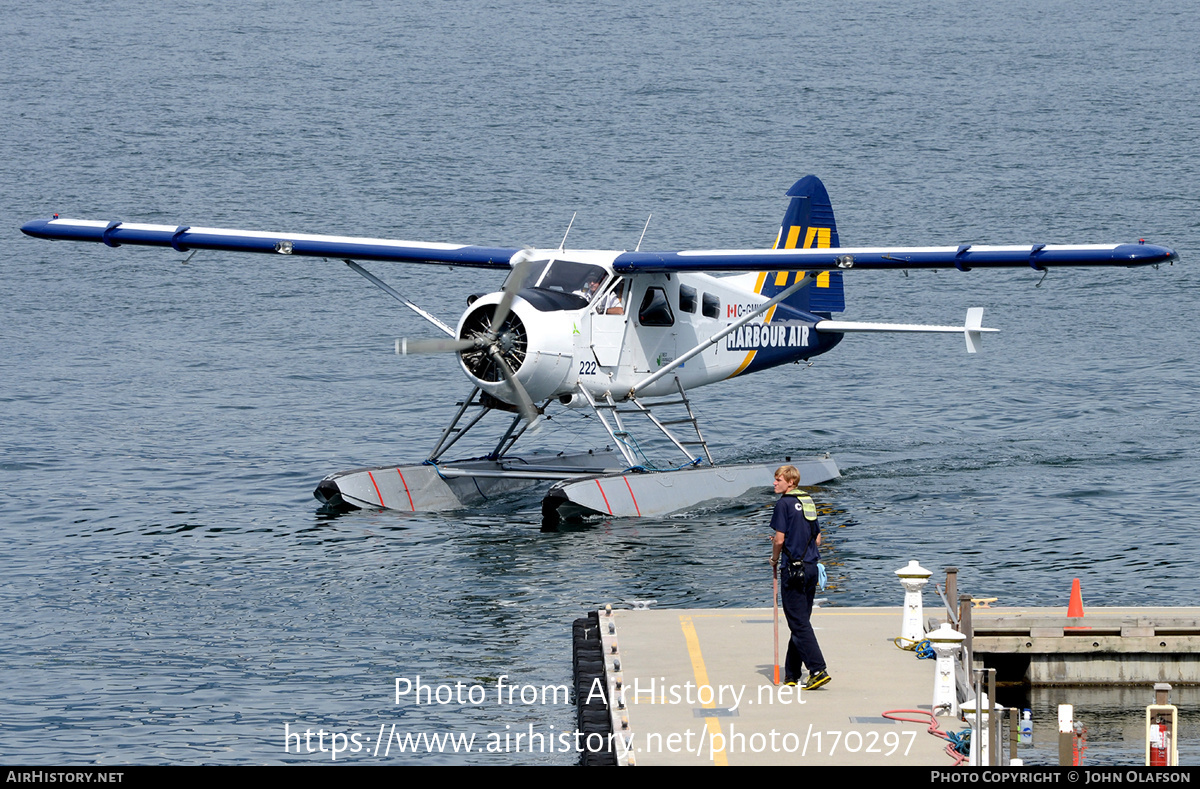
[797, 537]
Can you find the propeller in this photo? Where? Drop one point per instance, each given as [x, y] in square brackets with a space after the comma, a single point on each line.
[405, 346]
[524, 260]
[490, 341]
[524, 401]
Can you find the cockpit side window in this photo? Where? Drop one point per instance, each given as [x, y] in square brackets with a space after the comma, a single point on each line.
[612, 301]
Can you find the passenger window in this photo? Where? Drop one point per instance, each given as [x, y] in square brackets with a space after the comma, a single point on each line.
[656, 310]
[687, 299]
[711, 306]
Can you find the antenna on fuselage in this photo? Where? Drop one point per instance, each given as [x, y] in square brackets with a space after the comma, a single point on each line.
[643, 235]
[564, 241]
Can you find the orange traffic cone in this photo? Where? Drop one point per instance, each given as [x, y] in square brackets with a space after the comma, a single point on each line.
[1075, 607]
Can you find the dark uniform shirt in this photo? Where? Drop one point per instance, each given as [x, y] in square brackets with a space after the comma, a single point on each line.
[799, 537]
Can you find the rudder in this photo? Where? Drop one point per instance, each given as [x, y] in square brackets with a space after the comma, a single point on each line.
[808, 224]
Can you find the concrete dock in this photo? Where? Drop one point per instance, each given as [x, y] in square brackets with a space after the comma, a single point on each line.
[698, 687]
[697, 684]
[1108, 646]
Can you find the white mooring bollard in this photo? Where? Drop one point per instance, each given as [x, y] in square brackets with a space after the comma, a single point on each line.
[946, 642]
[978, 713]
[913, 578]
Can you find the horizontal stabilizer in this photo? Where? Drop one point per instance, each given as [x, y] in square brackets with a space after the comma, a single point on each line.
[972, 329]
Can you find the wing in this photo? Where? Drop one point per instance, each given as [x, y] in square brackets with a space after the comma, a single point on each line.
[963, 257]
[808, 241]
[184, 238]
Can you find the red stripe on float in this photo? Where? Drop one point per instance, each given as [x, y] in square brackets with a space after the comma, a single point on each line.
[635, 504]
[405, 484]
[606, 504]
[377, 493]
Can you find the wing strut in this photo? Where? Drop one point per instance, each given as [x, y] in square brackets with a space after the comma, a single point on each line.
[395, 294]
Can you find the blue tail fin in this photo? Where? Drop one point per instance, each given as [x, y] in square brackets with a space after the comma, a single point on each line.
[808, 224]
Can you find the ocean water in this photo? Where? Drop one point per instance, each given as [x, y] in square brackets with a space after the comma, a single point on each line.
[170, 593]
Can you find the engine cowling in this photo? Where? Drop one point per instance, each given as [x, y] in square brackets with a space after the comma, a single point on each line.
[538, 347]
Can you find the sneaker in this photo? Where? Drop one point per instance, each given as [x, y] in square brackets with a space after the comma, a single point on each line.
[818, 680]
[790, 682]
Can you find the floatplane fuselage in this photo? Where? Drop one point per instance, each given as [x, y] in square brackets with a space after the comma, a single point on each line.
[631, 328]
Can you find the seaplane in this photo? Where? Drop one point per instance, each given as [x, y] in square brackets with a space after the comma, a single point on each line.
[625, 335]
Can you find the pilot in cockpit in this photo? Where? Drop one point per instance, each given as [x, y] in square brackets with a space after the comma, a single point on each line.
[611, 304]
[590, 286]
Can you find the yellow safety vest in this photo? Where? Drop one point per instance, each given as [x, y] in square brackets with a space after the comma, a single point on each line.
[810, 509]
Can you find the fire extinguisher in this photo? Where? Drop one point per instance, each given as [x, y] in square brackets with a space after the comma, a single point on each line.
[1160, 743]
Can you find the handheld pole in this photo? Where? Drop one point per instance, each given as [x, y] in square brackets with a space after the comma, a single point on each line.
[775, 602]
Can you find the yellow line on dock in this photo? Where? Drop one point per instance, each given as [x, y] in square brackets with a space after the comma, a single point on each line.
[701, 672]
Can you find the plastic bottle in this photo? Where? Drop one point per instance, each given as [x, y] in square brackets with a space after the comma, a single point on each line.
[1026, 734]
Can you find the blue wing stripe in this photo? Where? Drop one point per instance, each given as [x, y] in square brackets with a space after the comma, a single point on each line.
[183, 238]
[1037, 256]
[962, 257]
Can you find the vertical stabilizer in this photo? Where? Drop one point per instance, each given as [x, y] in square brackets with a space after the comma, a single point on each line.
[808, 224]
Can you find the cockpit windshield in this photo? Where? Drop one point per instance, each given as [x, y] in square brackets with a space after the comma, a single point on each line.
[567, 277]
[533, 273]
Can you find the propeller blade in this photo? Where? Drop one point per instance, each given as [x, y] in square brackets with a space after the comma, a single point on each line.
[511, 286]
[524, 402]
[405, 346]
